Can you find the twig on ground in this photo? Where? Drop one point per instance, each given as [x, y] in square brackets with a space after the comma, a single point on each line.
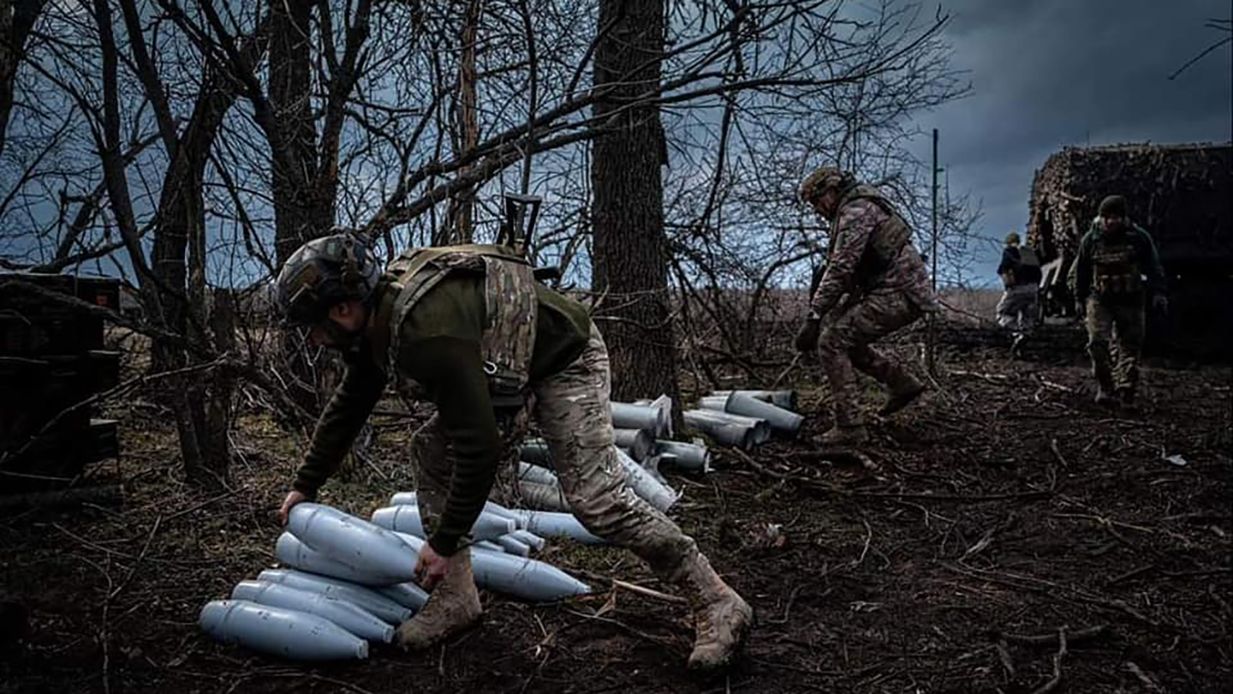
[1004, 657]
[1075, 637]
[631, 587]
[1056, 680]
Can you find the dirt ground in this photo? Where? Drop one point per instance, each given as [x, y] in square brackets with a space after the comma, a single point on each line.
[1002, 514]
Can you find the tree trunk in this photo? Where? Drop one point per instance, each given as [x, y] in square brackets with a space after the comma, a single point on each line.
[630, 257]
[462, 206]
[298, 215]
[16, 21]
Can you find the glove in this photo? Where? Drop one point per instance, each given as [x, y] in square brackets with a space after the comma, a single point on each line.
[807, 336]
[1160, 303]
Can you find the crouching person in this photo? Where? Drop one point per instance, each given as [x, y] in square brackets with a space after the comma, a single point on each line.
[469, 329]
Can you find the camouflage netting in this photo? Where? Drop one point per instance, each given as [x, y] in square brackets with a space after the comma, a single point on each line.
[1181, 195]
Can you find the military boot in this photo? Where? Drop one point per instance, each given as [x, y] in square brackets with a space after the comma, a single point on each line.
[452, 607]
[721, 617]
[904, 389]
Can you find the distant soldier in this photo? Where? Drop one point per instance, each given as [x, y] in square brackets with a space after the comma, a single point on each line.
[469, 329]
[870, 261]
[1018, 309]
[1107, 280]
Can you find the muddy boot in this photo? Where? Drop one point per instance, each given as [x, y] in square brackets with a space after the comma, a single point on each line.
[721, 617]
[903, 391]
[452, 607]
[844, 435]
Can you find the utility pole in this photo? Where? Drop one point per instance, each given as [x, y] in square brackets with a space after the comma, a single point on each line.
[933, 251]
[931, 333]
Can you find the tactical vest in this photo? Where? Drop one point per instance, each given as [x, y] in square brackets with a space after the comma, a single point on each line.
[887, 240]
[1027, 270]
[1115, 266]
[510, 311]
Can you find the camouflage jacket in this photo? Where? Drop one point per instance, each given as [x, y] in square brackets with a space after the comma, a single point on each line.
[855, 263]
[434, 348]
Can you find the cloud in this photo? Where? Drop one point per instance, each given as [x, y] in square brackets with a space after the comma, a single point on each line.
[1051, 73]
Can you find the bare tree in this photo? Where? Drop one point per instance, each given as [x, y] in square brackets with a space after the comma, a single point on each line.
[410, 119]
[630, 254]
[17, 20]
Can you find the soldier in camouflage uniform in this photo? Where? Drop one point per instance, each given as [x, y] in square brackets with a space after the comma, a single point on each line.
[1107, 281]
[468, 328]
[875, 283]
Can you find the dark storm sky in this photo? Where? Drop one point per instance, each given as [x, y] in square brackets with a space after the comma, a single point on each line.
[1048, 73]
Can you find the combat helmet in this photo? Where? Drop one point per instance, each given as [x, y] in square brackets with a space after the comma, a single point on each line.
[822, 179]
[324, 272]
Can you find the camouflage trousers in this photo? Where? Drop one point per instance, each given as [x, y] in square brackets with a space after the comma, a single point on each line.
[1114, 341]
[844, 344]
[572, 413]
[1018, 309]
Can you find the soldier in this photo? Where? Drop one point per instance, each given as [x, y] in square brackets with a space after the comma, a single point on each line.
[1018, 308]
[870, 261]
[469, 328]
[1106, 280]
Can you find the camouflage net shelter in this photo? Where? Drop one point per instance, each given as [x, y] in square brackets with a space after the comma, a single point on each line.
[1181, 194]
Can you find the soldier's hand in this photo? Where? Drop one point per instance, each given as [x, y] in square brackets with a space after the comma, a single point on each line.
[807, 336]
[431, 567]
[293, 498]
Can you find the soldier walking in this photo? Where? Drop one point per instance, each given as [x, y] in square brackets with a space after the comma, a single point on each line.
[1107, 281]
[469, 328]
[874, 284]
[1018, 310]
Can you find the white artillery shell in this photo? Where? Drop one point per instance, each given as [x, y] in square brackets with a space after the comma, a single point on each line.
[405, 518]
[513, 545]
[779, 398]
[686, 456]
[293, 552]
[645, 485]
[655, 420]
[365, 598]
[557, 524]
[410, 499]
[530, 539]
[279, 631]
[528, 579]
[406, 594]
[355, 542]
[742, 403]
[349, 616]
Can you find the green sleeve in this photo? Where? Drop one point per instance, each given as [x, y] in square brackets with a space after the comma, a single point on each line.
[1080, 277]
[344, 416]
[451, 371]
